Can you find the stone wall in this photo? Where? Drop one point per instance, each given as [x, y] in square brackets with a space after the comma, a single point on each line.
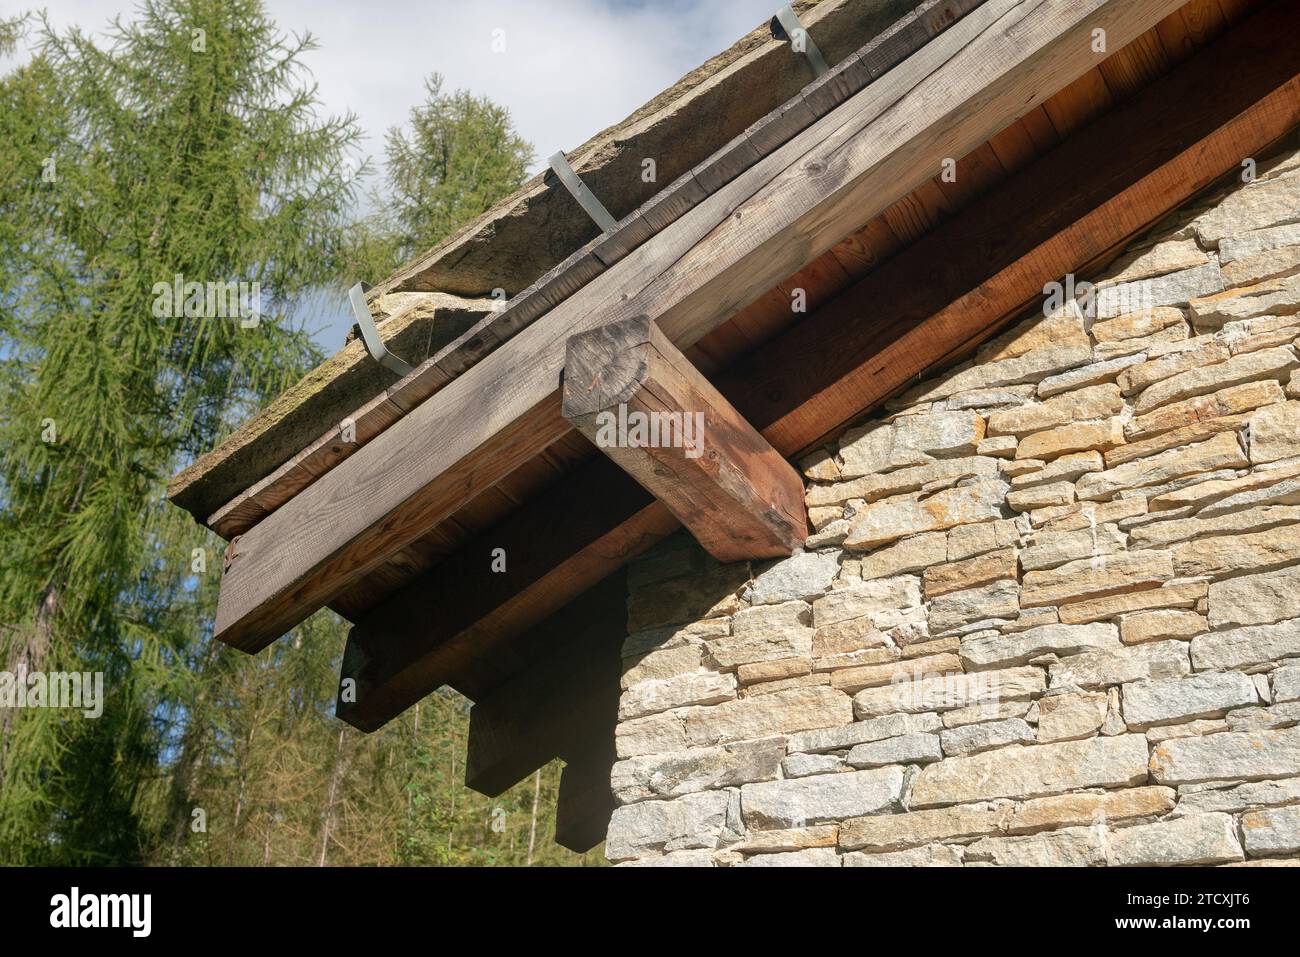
[1050, 613]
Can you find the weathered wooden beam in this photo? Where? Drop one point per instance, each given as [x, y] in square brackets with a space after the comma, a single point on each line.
[257, 501]
[586, 801]
[942, 295]
[632, 393]
[966, 84]
[440, 623]
[556, 707]
[980, 268]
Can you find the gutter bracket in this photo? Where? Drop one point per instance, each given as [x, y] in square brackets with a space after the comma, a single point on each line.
[370, 332]
[585, 197]
[786, 26]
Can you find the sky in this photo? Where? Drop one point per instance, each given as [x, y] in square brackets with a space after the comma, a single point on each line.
[569, 68]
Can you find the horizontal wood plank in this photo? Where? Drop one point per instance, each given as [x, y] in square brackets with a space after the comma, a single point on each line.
[780, 214]
[974, 274]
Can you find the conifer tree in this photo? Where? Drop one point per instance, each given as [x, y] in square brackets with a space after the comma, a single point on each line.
[186, 144]
[458, 155]
[190, 143]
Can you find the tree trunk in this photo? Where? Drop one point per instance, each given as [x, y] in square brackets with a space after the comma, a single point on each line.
[532, 829]
[336, 774]
[180, 796]
[266, 837]
[29, 656]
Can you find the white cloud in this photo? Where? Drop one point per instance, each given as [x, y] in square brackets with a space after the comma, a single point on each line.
[570, 68]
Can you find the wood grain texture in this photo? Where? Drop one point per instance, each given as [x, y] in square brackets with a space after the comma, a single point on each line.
[557, 707]
[1129, 70]
[586, 802]
[938, 15]
[640, 401]
[1079, 103]
[261, 499]
[784, 211]
[1117, 201]
[1190, 27]
[637, 227]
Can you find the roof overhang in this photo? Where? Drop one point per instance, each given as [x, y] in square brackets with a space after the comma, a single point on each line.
[778, 214]
[972, 87]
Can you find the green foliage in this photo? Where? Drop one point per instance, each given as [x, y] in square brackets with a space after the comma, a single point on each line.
[131, 163]
[459, 157]
[191, 143]
[11, 32]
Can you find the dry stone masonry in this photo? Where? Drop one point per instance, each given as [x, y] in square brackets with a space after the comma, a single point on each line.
[1050, 613]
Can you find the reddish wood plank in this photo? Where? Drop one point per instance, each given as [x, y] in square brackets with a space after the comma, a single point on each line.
[1129, 70]
[1079, 103]
[796, 390]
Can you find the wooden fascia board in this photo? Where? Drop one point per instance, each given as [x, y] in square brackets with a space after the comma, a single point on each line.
[245, 453]
[794, 390]
[968, 83]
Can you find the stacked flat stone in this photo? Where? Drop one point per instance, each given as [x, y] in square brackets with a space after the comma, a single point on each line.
[1050, 613]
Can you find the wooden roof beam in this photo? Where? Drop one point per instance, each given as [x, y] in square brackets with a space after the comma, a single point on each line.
[256, 450]
[551, 709]
[934, 298]
[641, 402]
[581, 530]
[969, 82]
[586, 801]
